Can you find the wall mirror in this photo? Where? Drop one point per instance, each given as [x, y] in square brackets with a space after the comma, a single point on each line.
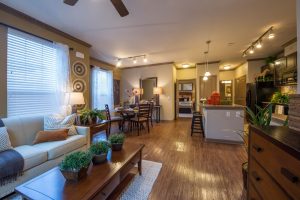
[148, 84]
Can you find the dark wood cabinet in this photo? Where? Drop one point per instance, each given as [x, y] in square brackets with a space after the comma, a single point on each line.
[274, 163]
[286, 70]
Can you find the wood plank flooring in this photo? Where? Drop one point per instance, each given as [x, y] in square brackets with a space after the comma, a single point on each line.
[192, 168]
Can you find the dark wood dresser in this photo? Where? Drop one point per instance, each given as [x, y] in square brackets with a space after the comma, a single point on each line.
[274, 164]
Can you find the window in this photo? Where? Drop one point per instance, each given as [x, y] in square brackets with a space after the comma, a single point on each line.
[32, 75]
[102, 88]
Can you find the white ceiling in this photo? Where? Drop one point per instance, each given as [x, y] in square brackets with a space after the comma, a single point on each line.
[169, 30]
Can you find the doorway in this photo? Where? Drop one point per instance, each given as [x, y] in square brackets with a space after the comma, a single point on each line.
[186, 98]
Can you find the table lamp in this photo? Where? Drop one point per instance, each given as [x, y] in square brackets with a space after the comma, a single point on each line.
[74, 99]
[157, 91]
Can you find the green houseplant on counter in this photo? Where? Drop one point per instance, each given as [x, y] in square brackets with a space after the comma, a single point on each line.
[116, 141]
[279, 98]
[75, 165]
[262, 119]
[99, 151]
[91, 116]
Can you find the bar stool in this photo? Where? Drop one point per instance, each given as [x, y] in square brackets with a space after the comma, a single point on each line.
[197, 124]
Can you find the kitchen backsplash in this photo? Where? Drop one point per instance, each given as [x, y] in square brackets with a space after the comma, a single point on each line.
[291, 89]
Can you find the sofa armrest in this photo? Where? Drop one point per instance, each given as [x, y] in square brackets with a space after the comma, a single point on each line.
[82, 130]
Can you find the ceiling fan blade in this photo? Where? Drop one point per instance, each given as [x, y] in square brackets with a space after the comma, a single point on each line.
[120, 7]
[70, 2]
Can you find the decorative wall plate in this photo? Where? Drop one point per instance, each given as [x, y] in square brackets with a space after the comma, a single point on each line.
[79, 69]
[79, 85]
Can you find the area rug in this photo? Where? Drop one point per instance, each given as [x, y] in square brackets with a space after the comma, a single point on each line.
[138, 189]
[141, 186]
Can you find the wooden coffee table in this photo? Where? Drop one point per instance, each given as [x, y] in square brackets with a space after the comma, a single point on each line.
[101, 180]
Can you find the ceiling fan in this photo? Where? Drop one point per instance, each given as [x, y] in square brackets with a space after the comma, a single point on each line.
[118, 4]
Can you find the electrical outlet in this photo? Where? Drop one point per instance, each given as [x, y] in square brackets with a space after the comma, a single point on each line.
[227, 114]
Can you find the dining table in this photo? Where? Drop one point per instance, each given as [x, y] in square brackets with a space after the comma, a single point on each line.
[127, 114]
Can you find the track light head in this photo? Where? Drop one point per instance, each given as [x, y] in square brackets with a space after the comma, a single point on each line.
[251, 51]
[258, 44]
[271, 34]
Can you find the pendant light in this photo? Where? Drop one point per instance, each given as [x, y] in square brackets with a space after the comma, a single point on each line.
[207, 73]
[205, 78]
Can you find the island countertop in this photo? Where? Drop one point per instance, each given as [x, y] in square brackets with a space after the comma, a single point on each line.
[223, 107]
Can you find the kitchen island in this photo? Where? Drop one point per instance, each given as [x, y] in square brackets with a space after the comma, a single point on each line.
[223, 123]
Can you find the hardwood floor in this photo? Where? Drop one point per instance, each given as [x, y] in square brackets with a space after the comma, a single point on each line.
[192, 168]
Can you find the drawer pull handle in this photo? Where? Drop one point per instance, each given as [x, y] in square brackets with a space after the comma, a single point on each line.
[256, 177]
[257, 148]
[289, 175]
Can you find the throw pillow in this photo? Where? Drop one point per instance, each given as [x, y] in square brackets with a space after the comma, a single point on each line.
[4, 140]
[49, 136]
[56, 122]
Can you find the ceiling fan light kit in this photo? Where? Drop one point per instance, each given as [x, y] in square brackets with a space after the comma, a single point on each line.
[118, 4]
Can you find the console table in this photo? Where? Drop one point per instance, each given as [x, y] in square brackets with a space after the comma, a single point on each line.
[100, 182]
[157, 112]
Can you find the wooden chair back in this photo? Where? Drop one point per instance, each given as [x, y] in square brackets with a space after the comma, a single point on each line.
[107, 112]
[144, 110]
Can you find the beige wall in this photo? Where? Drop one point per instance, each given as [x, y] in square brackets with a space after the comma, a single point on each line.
[298, 45]
[241, 70]
[189, 73]
[227, 75]
[165, 78]
[254, 68]
[23, 24]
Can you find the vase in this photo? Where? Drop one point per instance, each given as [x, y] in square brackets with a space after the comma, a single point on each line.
[98, 159]
[117, 147]
[77, 175]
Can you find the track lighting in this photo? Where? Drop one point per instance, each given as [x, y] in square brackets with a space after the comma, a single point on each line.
[258, 44]
[251, 51]
[145, 59]
[134, 61]
[271, 34]
[119, 63]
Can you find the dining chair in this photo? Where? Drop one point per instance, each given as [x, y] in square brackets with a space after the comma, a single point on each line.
[113, 119]
[141, 117]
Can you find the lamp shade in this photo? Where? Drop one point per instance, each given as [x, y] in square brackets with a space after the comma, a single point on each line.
[138, 91]
[157, 90]
[74, 98]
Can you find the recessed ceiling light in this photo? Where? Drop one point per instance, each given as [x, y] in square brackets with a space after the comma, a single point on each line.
[185, 65]
[227, 67]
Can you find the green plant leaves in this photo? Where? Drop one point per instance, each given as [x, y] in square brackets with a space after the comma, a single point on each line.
[263, 116]
[99, 148]
[76, 161]
[117, 138]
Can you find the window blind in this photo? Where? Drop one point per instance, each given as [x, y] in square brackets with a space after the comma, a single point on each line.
[31, 74]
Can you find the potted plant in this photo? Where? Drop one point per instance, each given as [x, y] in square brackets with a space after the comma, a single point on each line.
[262, 119]
[75, 165]
[91, 116]
[281, 99]
[99, 151]
[116, 141]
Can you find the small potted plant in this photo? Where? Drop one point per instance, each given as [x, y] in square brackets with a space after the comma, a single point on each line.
[99, 151]
[75, 165]
[116, 141]
[91, 116]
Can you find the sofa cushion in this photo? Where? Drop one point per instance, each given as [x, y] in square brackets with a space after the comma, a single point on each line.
[59, 148]
[22, 129]
[49, 136]
[32, 156]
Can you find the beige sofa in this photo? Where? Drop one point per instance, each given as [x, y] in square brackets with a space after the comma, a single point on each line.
[40, 157]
